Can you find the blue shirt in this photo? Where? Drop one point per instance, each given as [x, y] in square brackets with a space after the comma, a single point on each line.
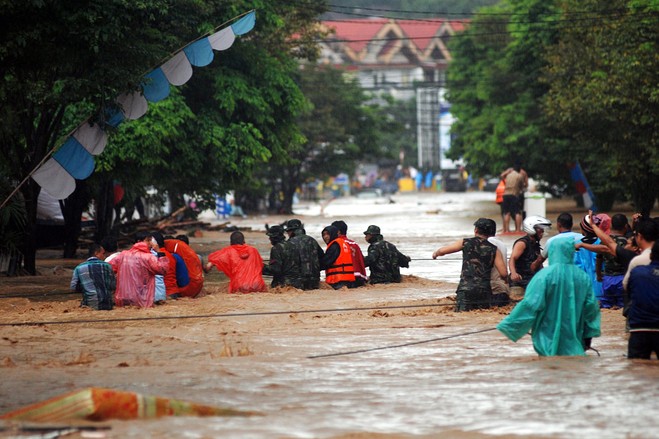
[644, 293]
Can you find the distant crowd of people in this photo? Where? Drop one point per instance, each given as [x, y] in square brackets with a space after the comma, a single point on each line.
[611, 263]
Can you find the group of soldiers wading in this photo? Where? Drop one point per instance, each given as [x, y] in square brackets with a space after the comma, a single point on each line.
[298, 260]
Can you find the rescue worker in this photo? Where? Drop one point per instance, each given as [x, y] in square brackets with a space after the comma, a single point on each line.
[357, 256]
[383, 258]
[241, 263]
[284, 264]
[479, 257]
[559, 307]
[526, 250]
[337, 261]
[310, 254]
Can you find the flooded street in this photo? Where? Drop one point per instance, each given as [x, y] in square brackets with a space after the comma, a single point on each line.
[417, 224]
[391, 361]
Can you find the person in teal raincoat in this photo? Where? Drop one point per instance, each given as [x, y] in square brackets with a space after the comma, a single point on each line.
[559, 307]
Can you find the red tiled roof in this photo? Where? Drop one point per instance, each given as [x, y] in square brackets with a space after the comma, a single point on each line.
[362, 30]
[420, 32]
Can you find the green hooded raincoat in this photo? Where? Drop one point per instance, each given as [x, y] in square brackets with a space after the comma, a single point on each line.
[559, 307]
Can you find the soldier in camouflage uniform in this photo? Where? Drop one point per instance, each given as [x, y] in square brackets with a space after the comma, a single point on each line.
[383, 258]
[478, 257]
[310, 254]
[284, 264]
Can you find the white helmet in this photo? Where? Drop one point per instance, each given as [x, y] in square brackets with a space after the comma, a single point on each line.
[533, 221]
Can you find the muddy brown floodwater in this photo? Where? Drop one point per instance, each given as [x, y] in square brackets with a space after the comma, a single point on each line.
[390, 361]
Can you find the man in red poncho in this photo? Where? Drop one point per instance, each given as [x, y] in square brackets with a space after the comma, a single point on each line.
[241, 263]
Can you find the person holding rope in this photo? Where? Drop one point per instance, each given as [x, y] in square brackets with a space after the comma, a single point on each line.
[479, 257]
[383, 258]
[309, 251]
[242, 264]
[526, 251]
[357, 257]
[643, 312]
[559, 307]
[337, 261]
[95, 279]
[284, 263]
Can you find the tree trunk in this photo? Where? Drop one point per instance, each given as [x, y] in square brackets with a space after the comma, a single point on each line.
[30, 191]
[289, 185]
[604, 200]
[104, 209]
[644, 195]
[72, 209]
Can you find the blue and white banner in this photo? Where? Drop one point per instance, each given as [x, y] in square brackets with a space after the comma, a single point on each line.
[74, 158]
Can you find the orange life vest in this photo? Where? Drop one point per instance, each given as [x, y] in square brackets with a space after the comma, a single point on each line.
[341, 269]
[499, 191]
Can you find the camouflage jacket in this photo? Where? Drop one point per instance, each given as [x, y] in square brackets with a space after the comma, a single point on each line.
[477, 262]
[612, 265]
[384, 260]
[284, 265]
[310, 254]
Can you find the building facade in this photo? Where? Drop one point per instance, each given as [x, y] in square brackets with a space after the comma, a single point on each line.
[393, 56]
[406, 59]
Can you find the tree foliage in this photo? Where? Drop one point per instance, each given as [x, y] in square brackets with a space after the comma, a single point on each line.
[62, 61]
[234, 115]
[59, 60]
[549, 83]
[412, 8]
[338, 129]
[603, 92]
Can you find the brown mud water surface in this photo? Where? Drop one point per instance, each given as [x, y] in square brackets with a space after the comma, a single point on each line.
[385, 361]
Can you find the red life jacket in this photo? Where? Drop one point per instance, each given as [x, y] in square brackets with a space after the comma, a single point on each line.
[341, 269]
[357, 259]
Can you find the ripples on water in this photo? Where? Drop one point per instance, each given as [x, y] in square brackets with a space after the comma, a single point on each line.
[475, 384]
[472, 384]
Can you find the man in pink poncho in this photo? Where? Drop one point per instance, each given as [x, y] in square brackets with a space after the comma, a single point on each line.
[136, 270]
[242, 263]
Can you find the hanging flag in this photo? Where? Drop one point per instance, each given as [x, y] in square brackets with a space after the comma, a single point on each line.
[582, 186]
[74, 160]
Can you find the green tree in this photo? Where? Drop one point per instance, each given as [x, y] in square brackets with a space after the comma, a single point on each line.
[411, 8]
[496, 93]
[234, 116]
[62, 62]
[339, 130]
[59, 60]
[603, 92]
